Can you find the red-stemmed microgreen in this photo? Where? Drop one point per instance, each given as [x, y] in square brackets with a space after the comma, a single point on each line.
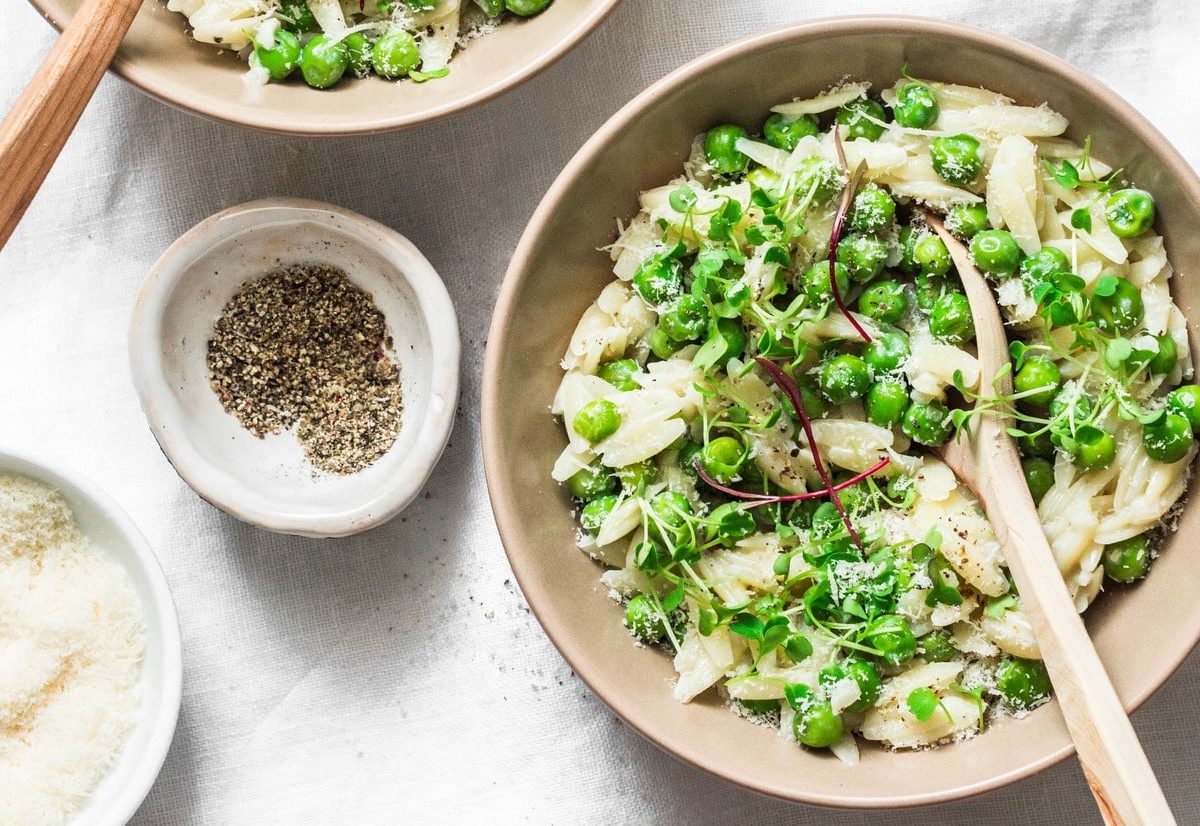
[792, 391]
[839, 225]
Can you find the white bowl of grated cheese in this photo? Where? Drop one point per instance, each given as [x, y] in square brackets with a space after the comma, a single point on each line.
[92, 709]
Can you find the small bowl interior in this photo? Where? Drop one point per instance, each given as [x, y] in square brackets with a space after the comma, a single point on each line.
[557, 272]
[121, 790]
[268, 480]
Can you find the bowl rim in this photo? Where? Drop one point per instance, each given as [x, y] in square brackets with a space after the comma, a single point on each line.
[124, 803]
[434, 304]
[502, 493]
[147, 81]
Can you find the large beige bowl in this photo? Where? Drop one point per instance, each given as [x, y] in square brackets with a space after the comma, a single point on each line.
[160, 57]
[557, 272]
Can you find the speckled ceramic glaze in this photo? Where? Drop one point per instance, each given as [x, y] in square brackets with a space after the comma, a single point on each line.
[268, 482]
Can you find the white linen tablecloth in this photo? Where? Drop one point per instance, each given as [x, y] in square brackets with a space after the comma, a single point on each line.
[400, 674]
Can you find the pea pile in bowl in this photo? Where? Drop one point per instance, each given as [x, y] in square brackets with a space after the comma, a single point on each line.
[327, 40]
[751, 403]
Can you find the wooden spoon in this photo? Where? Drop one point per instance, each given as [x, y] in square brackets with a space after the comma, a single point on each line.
[1120, 777]
[46, 113]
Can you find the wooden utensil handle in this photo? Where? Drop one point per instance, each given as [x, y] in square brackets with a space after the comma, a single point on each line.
[1117, 770]
[35, 130]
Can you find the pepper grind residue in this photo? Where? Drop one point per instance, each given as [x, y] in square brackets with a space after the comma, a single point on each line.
[304, 348]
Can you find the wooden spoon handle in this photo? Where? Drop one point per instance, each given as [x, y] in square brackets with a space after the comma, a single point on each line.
[35, 130]
[1116, 768]
[1120, 776]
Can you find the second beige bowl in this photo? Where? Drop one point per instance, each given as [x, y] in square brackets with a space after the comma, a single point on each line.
[557, 272]
[160, 57]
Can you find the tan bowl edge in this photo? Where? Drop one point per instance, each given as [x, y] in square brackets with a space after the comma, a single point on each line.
[149, 81]
[505, 495]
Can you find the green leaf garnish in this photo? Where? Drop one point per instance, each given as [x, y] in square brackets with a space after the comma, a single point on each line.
[421, 77]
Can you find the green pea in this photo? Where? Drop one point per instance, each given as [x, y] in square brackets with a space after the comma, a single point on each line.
[1041, 378]
[844, 378]
[281, 59]
[595, 512]
[958, 159]
[662, 345]
[864, 256]
[760, 706]
[884, 301]
[785, 133]
[689, 454]
[1043, 264]
[635, 478]
[864, 674]
[658, 279]
[1035, 445]
[996, 252]
[863, 118]
[591, 482]
[916, 106]
[929, 289]
[887, 351]
[810, 397]
[927, 424]
[817, 726]
[820, 176]
[526, 8]
[720, 148]
[359, 49]
[1166, 358]
[323, 62]
[967, 220]
[1120, 312]
[937, 647]
[1169, 439]
[687, 320]
[1127, 560]
[1071, 405]
[643, 620]
[620, 373]
[892, 637]
[909, 237]
[672, 509]
[492, 8]
[1024, 683]
[950, 319]
[722, 458]
[395, 54]
[873, 209]
[734, 337]
[816, 281]
[931, 255]
[297, 16]
[1039, 475]
[1094, 449]
[597, 420]
[886, 402]
[1185, 400]
[1129, 212]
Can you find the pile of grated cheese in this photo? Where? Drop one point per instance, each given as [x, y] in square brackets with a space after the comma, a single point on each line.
[72, 635]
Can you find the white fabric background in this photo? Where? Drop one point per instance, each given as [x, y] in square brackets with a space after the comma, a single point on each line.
[400, 674]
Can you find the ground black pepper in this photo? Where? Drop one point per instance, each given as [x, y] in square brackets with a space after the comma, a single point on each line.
[304, 348]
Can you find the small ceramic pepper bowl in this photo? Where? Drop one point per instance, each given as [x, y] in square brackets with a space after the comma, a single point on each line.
[267, 481]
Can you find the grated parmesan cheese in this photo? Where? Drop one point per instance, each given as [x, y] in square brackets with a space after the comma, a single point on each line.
[72, 636]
